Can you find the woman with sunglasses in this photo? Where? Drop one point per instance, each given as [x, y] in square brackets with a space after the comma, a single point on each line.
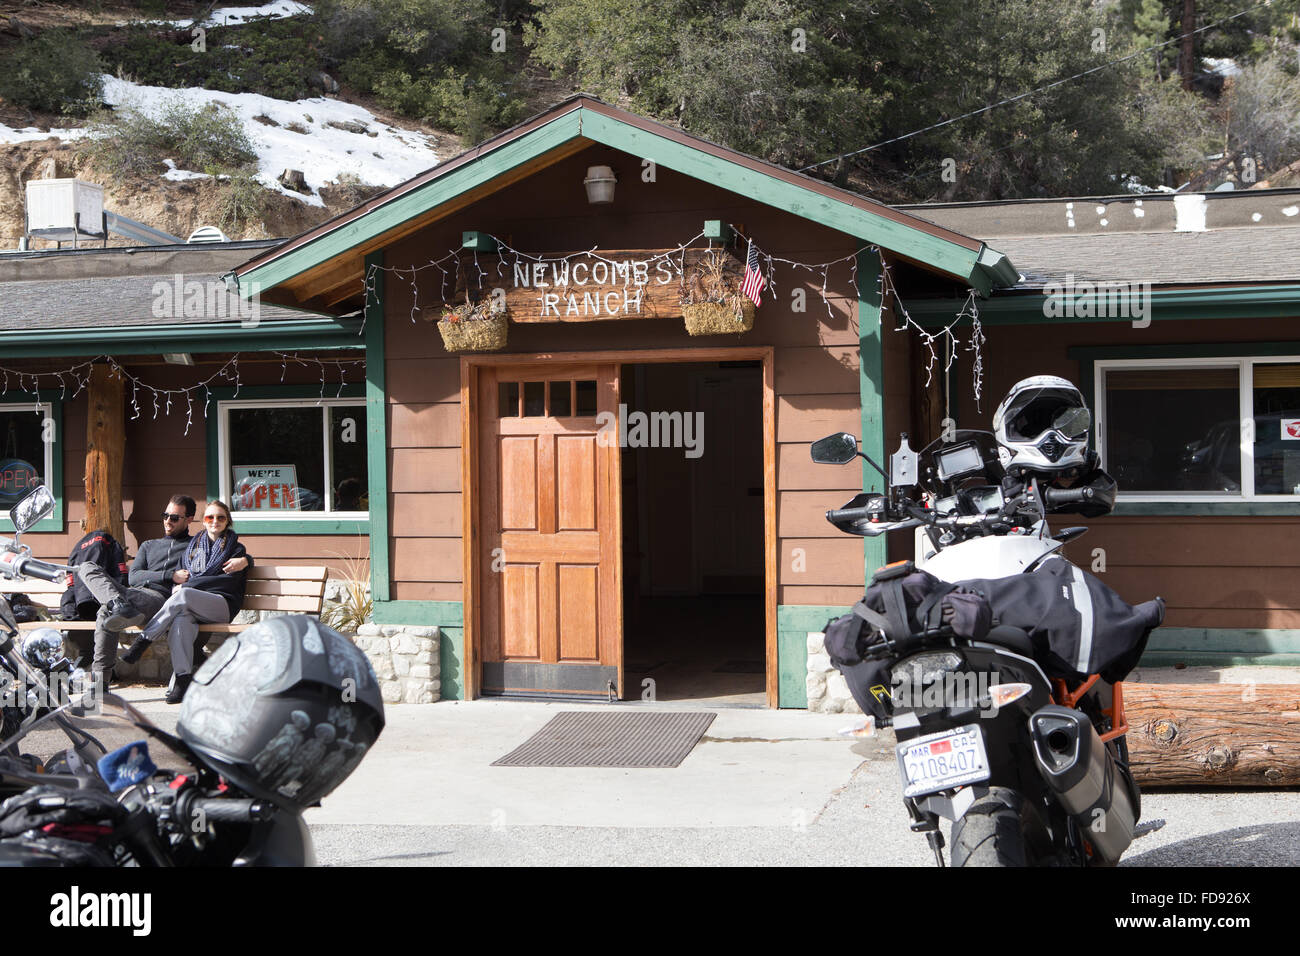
[210, 590]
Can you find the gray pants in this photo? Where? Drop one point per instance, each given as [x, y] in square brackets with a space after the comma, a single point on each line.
[180, 617]
[105, 589]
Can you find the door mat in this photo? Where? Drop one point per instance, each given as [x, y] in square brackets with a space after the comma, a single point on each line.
[742, 667]
[595, 739]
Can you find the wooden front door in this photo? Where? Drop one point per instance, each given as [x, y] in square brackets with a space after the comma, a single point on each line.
[549, 530]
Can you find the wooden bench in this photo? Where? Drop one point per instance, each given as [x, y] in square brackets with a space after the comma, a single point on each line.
[297, 589]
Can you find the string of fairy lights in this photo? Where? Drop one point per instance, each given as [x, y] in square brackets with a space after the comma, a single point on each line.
[333, 372]
[456, 262]
[78, 377]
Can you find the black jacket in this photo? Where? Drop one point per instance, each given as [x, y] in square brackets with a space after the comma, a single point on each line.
[154, 564]
[97, 547]
[229, 586]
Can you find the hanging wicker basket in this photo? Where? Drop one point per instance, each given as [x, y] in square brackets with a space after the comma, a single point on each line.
[718, 318]
[471, 334]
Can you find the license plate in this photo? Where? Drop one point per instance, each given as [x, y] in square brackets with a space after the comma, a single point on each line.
[950, 758]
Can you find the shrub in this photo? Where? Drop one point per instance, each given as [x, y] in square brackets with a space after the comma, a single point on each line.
[272, 57]
[54, 72]
[356, 604]
[196, 137]
[243, 202]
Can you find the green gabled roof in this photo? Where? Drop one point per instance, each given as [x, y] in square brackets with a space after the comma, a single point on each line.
[305, 268]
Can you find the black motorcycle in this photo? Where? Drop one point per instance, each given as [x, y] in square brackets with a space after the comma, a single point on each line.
[1030, 769]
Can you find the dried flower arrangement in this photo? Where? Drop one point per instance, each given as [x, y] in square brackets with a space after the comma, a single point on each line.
[710, 296]
[473, 326]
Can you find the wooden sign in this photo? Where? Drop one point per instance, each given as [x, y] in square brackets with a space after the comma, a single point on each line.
[585, 287]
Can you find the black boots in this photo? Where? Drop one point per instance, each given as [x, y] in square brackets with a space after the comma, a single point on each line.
[136, 650]
[122, 614]
[179, 686]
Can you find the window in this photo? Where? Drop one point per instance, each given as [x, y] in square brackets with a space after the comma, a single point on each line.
[294, 458]
[1212, 429]
[27, 438]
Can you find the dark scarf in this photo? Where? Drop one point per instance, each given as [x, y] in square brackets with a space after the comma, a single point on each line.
[204, 555]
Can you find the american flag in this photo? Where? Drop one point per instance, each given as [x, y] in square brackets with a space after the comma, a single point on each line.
[754, 282]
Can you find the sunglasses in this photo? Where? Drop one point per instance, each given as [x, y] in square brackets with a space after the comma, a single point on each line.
[207, 518]
[168, 516]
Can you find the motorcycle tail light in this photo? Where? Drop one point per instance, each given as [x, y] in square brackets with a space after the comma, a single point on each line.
[927, 668]
[1003, 694]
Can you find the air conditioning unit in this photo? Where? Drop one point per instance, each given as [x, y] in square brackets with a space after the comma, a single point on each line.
[65, 209]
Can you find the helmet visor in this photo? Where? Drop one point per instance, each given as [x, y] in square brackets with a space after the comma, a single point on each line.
[1043, 410]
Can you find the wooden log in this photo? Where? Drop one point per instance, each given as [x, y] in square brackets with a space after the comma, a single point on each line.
[105, 451]
[1221, 735]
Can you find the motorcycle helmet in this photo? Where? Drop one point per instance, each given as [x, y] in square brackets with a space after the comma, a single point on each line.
[285, 710]
[43, 648]
[1042, 426]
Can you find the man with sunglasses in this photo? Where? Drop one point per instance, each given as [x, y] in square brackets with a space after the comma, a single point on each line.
[155, 570]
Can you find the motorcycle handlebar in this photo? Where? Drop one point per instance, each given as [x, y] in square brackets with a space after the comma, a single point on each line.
[1066, 496]
[846, 514]
[32, 568]
[225, 810]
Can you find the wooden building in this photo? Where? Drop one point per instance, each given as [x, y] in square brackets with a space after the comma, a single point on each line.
[1177, 316]
[561, 564]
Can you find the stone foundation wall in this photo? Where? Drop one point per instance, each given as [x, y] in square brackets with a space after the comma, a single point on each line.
[827, 691]
[405, 659]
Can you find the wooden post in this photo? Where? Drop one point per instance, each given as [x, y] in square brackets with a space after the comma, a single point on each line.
[1223, 735]
[105, 452]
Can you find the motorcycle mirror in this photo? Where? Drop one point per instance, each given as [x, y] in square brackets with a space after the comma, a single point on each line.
[33, 506]
[835, 449]
[903, 466]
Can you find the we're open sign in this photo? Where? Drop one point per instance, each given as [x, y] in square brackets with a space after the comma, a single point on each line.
[265, 488]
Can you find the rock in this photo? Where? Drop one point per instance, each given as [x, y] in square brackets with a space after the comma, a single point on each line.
[348, 126]
[404, 644]
[422, 631]
[47, 168]
[293, 179]
[402, 665]
[816, 643]
[369, 630]
[391, 691]
[427, 645]
[323, 81]
[422, 670]
[391, 629]
[265, 120]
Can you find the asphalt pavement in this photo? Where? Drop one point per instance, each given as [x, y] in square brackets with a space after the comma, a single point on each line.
[762, 788]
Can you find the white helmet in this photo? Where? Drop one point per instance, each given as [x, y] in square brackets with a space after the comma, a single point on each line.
[1042, 425]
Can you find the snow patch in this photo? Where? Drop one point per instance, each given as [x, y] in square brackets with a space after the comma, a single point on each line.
[234, 16]
[180, 175]
[1223, 66]
[386, 158]
[9, 135]
[1290, 210]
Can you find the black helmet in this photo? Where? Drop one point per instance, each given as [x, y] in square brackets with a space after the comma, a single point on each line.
[285, 710]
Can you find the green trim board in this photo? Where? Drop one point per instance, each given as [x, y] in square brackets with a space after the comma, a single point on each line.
[449, 618]
[377, 428]
[54, 481]
[871, 393]
[1224, 647]
[793, 624]
[245, 523]
[1031, 308]
[323, 333]
[982, 268]
[795, 199]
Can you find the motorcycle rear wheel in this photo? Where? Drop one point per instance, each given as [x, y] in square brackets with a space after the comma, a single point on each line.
[991, 833]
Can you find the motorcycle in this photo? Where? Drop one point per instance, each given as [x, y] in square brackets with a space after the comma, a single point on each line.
[1028, 769]
[93, 782]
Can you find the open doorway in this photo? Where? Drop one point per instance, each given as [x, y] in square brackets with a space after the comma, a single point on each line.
[693, 547]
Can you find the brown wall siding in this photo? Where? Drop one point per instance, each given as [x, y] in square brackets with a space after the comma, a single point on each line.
[815, 359]
[162, 460]
[1223, 572]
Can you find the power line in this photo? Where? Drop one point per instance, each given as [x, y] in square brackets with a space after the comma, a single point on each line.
[1013, 99]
